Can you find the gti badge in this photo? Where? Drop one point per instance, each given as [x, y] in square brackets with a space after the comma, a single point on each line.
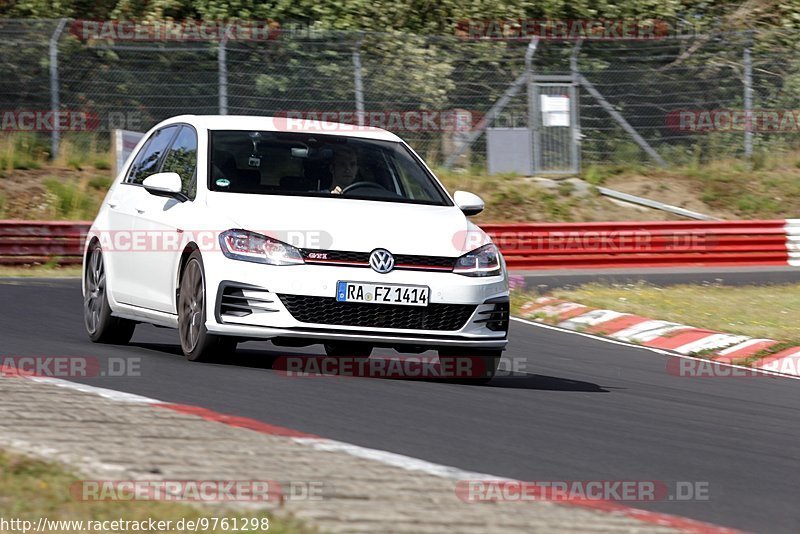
[381, 260]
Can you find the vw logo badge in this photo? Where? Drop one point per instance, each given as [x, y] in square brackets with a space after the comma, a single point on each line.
[381, 260]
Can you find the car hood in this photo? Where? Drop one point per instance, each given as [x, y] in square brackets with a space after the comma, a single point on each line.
[352, 225]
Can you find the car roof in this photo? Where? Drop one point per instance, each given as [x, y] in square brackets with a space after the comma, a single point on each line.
[282, 124]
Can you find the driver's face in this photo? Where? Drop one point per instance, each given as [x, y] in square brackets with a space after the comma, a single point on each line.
[344, 168]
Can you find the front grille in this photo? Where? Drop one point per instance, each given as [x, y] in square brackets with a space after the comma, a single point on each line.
[323, 256]
[402, 261]
[326, 310]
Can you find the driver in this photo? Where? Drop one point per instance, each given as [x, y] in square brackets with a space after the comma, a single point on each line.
[344, 168]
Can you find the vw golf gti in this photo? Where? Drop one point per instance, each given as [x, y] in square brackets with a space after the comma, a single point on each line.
[240, 228]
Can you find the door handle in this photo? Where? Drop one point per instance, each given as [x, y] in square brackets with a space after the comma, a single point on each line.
[112, 205]
[140, 211]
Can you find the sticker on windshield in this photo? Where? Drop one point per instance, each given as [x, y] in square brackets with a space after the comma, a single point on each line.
[223, 182]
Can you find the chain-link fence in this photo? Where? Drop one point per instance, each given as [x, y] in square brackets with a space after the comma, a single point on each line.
[668, 101]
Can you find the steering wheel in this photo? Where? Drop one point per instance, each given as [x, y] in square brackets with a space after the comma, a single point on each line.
[357, 185]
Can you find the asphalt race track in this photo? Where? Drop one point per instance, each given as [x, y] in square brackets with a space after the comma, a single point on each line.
[584, 410]
[547, 280]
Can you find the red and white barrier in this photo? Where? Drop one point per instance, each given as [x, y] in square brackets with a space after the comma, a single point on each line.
[595, 245]
[682, 339]
[602, 245]
[30, 242]
[792, 229]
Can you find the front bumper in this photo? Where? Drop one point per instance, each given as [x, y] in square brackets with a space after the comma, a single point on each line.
[249, 301]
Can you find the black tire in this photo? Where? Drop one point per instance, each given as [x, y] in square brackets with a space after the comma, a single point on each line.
[345, 349]
[101, 326]
[196, 343]
[469, 365]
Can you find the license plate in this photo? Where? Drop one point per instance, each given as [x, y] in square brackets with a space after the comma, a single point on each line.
[382, 293]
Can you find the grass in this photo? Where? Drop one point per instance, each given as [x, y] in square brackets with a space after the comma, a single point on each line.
[75, 201]
[22, 152]
[81, 152]
[757, 311]
[48, 270]
[26, 151]
[768, 187]
[31, 489]
[509, 197]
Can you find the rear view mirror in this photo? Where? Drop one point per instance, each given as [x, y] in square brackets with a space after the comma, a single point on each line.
[469, 203]
[165, 184]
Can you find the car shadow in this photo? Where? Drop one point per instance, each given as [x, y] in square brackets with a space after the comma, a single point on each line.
[543, 383]
[298, 364]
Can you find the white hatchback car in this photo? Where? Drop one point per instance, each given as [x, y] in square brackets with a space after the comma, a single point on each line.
[238, 228]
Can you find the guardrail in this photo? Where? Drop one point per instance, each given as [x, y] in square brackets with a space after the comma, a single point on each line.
[645, 244]
[31, 242]
[525, 246]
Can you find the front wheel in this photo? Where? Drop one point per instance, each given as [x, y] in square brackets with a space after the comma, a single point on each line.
[196, 343]
[469, 365]
[100, 325]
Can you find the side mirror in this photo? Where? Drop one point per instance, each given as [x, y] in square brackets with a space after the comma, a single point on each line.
[165, 184]
[469, 203]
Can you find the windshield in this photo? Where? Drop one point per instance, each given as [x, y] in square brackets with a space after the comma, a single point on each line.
[279, 163]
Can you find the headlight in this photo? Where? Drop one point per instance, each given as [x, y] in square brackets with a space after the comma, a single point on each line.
[250, 246]
[483, 261]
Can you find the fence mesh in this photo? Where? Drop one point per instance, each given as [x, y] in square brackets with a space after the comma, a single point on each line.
[135, 84]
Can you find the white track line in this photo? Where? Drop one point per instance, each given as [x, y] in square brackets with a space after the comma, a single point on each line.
[402, 461]
[111, 394]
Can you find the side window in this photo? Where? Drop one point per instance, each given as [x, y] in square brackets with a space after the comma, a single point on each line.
[182, 158]
[146, 162]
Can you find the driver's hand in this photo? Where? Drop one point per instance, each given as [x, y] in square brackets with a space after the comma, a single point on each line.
[336, 190]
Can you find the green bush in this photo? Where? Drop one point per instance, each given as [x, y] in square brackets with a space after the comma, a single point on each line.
[25, 151]
[72, 201]
[102, 164]
[100, 183]
[749, 203]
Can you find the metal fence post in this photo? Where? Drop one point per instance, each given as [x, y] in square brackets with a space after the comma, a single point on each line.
[55, 104]
[748, 101]
[533, 107]
[222, 75]
[357, 80]
[575, 124]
